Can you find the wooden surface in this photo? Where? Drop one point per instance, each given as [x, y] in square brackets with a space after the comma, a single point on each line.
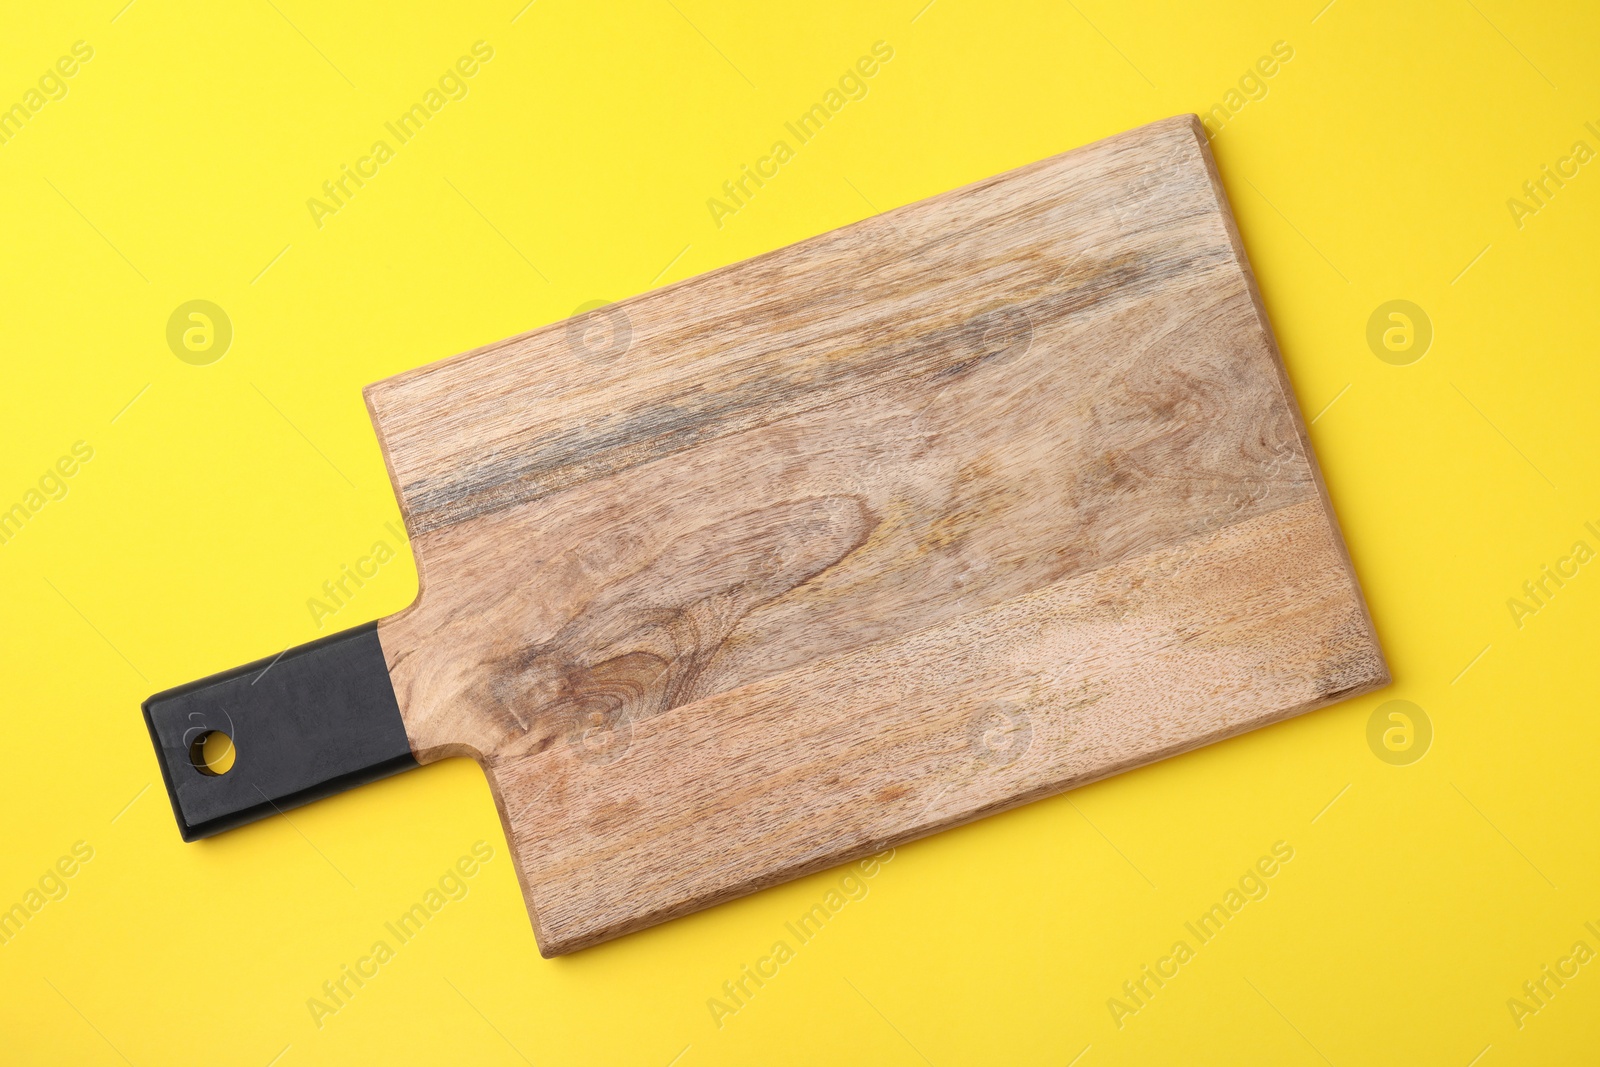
[960, 506]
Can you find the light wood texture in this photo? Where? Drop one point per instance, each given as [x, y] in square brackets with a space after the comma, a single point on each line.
[965, 504]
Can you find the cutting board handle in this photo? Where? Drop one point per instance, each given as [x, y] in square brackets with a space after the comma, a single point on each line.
[312, 721]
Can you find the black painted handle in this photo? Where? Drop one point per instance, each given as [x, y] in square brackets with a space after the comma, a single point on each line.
[310, 722]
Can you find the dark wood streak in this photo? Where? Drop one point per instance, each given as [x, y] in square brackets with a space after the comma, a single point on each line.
[787, 383]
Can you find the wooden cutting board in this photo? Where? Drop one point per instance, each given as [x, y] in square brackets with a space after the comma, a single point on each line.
[960, 506]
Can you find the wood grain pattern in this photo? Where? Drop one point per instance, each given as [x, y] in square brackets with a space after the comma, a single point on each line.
[957, 507]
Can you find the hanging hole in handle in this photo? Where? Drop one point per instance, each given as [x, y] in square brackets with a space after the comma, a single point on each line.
[212, 753]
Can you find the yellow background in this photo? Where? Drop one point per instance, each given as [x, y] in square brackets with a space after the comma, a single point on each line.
[1377, 167]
